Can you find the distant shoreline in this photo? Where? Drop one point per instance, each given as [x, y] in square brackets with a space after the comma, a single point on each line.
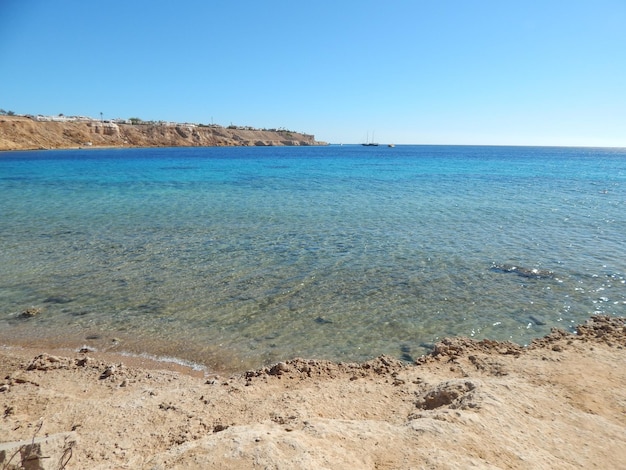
[24, 133]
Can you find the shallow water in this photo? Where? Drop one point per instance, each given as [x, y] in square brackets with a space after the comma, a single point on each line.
[237, 257]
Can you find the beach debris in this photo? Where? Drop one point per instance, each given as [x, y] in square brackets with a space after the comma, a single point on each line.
[531, 273]
[52, 451]
[82, 362]
[108, 372]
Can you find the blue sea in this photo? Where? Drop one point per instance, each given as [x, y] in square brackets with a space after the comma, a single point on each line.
[234, 258]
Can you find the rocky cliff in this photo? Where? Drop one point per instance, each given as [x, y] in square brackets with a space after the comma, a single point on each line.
[22, 133]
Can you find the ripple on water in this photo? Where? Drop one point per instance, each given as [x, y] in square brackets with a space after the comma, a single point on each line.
[244, 257]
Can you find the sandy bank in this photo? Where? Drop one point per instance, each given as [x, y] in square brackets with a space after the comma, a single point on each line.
[561, 403]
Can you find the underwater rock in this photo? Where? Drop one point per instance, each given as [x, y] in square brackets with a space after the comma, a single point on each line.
[533, 273]
[322, 320]
[405, 349]
[31, 312]
[537, 320]
[57, 299]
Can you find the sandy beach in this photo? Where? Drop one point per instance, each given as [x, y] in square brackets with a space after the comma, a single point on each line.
[559, 403]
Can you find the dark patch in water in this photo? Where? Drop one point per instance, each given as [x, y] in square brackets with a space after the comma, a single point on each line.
[153, 308]
[80, 313]
[537, 320]
[531, 273]
[181, 167]
[407, 357]
[322, 320]
[15, 178]
[57, 299]
[406, 353]
[92, 337]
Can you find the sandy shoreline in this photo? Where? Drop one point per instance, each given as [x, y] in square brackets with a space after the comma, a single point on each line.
[560, 403]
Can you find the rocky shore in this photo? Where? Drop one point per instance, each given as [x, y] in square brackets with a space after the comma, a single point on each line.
[559, 403]
[23, 133]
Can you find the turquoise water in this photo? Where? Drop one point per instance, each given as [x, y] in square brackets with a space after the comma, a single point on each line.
[238, 257]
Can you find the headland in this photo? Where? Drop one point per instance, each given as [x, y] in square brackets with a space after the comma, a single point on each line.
[60, 132]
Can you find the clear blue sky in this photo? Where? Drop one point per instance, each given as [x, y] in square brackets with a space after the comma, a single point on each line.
[531, 72]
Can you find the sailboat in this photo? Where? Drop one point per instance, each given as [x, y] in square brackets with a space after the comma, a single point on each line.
[368, 143]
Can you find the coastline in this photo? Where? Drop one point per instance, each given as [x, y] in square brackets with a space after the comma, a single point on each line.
[559, 403]
[24, 133]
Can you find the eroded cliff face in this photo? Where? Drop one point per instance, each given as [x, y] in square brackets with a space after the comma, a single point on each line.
[21, 133]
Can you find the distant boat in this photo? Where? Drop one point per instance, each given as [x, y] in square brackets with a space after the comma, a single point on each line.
[368, 143]
[391, 145]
